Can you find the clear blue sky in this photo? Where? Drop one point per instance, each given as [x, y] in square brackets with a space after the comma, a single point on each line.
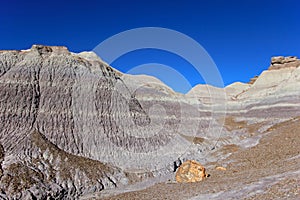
[240, 36]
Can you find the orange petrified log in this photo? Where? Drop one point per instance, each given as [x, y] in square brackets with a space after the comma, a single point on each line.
[190, 171]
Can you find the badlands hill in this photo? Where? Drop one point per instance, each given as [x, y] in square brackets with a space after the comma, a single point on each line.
[73, 127]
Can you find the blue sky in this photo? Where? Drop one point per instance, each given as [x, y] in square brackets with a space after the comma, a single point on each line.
[240, 36]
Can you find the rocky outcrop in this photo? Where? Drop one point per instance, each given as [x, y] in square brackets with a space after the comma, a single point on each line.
[252, 80]
[280, 62]
[283, 60]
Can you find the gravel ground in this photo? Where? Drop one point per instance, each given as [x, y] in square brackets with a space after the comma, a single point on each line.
[269, 170]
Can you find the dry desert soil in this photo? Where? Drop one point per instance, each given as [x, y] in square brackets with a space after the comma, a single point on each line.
[269, 170]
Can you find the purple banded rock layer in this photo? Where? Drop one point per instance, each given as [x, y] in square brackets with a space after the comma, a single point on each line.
[72, 125]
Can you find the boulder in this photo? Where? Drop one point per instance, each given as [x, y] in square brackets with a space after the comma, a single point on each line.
[190, 171]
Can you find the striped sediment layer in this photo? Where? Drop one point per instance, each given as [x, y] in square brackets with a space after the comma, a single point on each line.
[72, 125]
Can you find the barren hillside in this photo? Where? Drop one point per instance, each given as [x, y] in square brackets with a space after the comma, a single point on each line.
[73, 127]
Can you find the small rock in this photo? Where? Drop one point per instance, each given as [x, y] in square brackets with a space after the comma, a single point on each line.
[221, 168]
